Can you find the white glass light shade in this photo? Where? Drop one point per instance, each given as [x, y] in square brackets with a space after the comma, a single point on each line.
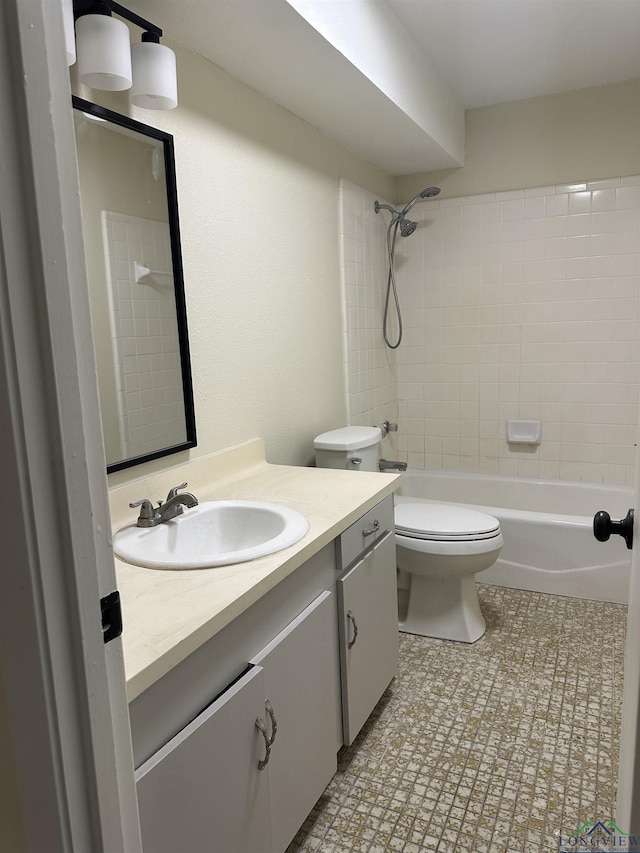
[104, 52]
[69, 34]
[155, 85]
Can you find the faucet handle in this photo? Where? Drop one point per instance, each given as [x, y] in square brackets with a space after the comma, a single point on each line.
[147, 510]
[174, 491]
[386, 427]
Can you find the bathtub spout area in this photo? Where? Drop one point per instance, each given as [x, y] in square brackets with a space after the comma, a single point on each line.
[388, 465]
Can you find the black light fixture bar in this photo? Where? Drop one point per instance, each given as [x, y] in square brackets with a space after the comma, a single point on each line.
[83, 7]
[135, 19]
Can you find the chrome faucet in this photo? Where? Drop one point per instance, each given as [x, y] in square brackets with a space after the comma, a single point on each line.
[387, 465]
[172, 507]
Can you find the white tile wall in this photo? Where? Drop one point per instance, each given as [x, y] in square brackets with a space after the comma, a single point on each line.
[519, 304]
[144, 331]
[370, 368]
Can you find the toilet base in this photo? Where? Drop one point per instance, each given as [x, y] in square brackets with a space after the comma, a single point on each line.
[445, 609]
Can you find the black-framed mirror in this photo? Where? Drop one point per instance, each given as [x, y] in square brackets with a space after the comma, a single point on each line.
[134, 266]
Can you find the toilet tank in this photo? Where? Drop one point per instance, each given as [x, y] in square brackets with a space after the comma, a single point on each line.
[352, 448]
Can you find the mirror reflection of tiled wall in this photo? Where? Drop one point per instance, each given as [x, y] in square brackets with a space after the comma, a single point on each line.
[144, 332]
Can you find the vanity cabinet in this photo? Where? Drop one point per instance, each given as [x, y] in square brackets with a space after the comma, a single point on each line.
[203, 790]
[301, 686]
[368, 615]
[243, 776]
[222, 783]
[209, 778]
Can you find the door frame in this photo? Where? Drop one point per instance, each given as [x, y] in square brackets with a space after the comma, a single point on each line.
[64, 728]
[628, 794]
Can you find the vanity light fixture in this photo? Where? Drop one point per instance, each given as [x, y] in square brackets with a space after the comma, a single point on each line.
[107, 60]
[104, 53]
[155, 85]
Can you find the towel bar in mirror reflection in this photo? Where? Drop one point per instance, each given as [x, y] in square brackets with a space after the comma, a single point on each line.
[134, 269]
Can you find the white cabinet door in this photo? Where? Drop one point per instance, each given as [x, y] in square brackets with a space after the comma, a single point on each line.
[300, 673]
[368, 610]
[203, 791]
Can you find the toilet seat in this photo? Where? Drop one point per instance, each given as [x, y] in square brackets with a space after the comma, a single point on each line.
[442, 523]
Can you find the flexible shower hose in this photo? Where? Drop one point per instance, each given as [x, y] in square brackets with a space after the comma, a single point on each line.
[391, 286]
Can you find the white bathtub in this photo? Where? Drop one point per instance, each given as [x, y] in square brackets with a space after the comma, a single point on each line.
[547, 527]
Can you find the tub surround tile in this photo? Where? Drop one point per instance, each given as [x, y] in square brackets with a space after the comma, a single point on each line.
[495, 747]
[544, 279]
[148, 383]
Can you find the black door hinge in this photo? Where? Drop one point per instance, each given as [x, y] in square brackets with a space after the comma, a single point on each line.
[111, 616]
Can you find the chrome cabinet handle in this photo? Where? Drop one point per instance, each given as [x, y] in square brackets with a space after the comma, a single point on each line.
[274, 724]
[260, 724]
[352, 618]
[368, 531]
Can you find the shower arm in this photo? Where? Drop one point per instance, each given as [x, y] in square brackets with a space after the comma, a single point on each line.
[378, 207]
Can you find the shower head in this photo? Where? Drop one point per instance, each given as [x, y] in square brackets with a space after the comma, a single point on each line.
[430, 192]
[407, 227]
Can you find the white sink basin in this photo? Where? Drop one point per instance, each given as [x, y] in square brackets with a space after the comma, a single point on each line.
[214, 533]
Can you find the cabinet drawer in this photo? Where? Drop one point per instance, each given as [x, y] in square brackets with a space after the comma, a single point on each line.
[364, 532]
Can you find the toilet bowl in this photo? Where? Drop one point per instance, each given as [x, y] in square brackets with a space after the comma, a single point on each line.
[442, 547]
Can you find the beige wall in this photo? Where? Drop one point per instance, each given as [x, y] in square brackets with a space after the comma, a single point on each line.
[258, 195]
[576, 136]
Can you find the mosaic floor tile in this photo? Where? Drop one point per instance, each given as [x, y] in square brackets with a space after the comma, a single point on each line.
[495, 747]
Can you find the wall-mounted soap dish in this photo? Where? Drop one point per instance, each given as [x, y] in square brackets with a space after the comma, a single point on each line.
[524, 432]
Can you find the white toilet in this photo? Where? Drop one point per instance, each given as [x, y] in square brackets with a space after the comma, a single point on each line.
[442, 547]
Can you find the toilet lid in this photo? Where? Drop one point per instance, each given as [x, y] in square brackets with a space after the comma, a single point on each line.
[348, 438]
[444, 523]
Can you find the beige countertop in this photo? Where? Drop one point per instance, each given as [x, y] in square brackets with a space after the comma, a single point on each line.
[169, 614]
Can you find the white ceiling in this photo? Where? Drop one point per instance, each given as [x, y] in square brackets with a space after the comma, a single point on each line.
[491, 51]
[480, 52]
